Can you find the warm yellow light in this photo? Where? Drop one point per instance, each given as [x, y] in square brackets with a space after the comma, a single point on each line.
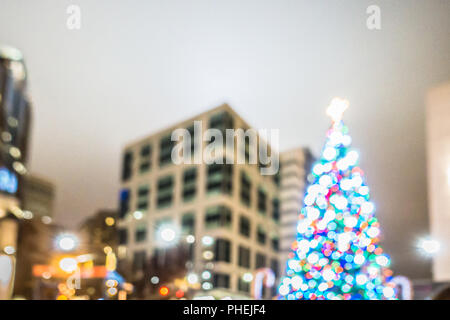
[107, 249]
[110, 221]
[19, 167]
[111, 283]
[337, 108]
[112, 291]
[15, 152]
[208, 255]
[122, 295]
[127, 286]
[111, 261]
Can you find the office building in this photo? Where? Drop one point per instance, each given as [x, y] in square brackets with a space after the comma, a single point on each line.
[226, 216]
[98, 239]
[38, 197]
[14, 129]
[294, 170]
[36, 233]
[99, 231]
[438, 163]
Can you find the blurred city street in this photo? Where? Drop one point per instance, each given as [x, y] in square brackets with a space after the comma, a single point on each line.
[207, 150]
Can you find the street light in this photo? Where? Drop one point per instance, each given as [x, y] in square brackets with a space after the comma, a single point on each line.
[66, 242]
[429, 246]
[190, 239]
[154, 280]
[167, 235]
[192, 278]
[207, 240]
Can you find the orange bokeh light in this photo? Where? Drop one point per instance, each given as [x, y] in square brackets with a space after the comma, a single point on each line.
[164, 291]
[180, 294]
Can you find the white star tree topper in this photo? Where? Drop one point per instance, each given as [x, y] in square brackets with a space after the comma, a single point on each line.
[337, 108]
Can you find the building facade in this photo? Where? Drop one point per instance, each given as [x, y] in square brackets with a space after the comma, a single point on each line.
[225, 215]
[15, 120]
[36, 232]
[438, 163]
[38, 197]
[294, 169]
[98, 238]
[99, 231]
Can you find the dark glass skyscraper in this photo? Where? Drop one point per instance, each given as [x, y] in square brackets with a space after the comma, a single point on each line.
[14, 129]
[14, 120]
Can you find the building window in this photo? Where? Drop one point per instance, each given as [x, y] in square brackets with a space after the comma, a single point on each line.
[221, 280]
[127, 167]
[275, 243]
[220, 178]
[142, 198]
[245, 189]
[165, 150]
[262, 203]
[189, 184]
[141, 233]
[244, 257]
[123, 236]
[274, 265]
[243, 286]
[146, 158]
[218, 217]
[159, 224]
[193, 142]
[221, 121]
[261, 235]
[124, 205]
[276, 176]
[260, 261]
[138, 261]
[158, 258]
[276, 209]
[247, 148]
[165, 191]
[244, 226]
[188, 224]
[222, 250]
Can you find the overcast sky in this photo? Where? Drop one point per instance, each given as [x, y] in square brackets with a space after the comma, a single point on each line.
[137, 66]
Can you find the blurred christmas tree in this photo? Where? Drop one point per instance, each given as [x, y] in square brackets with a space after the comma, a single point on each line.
[336, 255]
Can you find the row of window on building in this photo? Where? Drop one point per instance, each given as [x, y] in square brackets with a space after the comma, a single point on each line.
[220, 121]
[222, 252]
[219, 180]
[215, 217]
